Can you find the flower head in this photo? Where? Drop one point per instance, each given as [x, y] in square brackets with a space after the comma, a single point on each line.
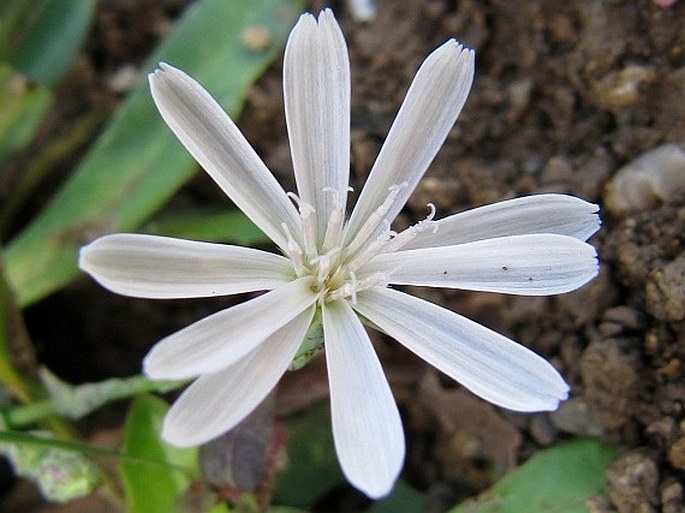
[338, 270]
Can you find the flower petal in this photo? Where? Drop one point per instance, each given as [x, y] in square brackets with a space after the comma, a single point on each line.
[487, 363]
[217, 341]
[217, 402]
[163, 268]
[367, 429]
[539, 213]
[217, 144]
[430, 109]
[531, 265]
[316, 88]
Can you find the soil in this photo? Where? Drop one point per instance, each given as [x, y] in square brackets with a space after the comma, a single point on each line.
[567, 92]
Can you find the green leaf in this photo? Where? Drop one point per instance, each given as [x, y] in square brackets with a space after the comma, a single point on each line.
[22, 106]
[224, 226]
[61, 475]
[137, 164]
[402, 499]
[149, 489]
[41, 37]
[556, 480]
[31, 440]
[313, 467]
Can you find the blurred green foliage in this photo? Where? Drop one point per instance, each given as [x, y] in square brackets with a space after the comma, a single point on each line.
[557, 480]
[151, 489]
[136, 165]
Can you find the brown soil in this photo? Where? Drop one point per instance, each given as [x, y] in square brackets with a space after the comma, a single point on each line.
[566, 93]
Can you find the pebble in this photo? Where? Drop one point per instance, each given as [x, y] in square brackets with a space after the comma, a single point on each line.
[625, 316]
[620, 90]
[575, 416]
[657, 176]
[542, 430]
[672, 497]
[257, 38]
[124, 79]
[632, 482]
[665, 291]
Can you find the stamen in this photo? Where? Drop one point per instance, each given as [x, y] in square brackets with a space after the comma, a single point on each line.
[294, 252]
[372, 280]
[308, 224]
[377, 218]
[346, 290]
[350, 288]
[408, 234]
[336, 220]
[371, 249]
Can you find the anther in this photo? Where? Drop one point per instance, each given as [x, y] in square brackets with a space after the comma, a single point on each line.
[377, 218]
[308, 224]
[371, 249]
[294, 252]
[337, 217]
[402, 238]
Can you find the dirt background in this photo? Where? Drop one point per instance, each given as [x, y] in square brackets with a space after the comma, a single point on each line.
[567, 92]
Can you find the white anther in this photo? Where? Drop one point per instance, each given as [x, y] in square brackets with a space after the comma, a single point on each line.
[371, 249]
[336, 220]
[342, 292]
[353, 285]
[372, 280]
[323, 264]
[294, 252]
[370, 227]
[308, 224]
[402, 238]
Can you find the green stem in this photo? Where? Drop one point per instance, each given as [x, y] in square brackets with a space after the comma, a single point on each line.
[27, 414]
[17, 357]
[77, 401]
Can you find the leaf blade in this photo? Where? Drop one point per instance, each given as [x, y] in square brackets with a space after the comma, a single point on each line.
[557, 480]
[136, 165]
[142, 438]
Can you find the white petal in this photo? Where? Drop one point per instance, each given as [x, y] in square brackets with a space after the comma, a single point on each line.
[531, 265]
[316, 88]
[217, 402]
[367, 429]
[429, 111]
[216, 143]
[540, 213]
[487, 363]
[217, 341]
[163, 268]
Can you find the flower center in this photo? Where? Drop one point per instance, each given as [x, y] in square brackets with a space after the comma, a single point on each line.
[337, 268]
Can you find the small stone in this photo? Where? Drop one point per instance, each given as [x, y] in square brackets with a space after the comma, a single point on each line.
[542, 430]
[657, 176]
[672, 497]
[610, 329]
[124, 79]
[625, 316]
[632, 482]
[676, 454]
[665, 292]
[623, 89]
[610, 372]
[577, 417]
[257, 38]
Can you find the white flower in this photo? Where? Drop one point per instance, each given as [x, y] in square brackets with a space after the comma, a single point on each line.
[340, 269]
